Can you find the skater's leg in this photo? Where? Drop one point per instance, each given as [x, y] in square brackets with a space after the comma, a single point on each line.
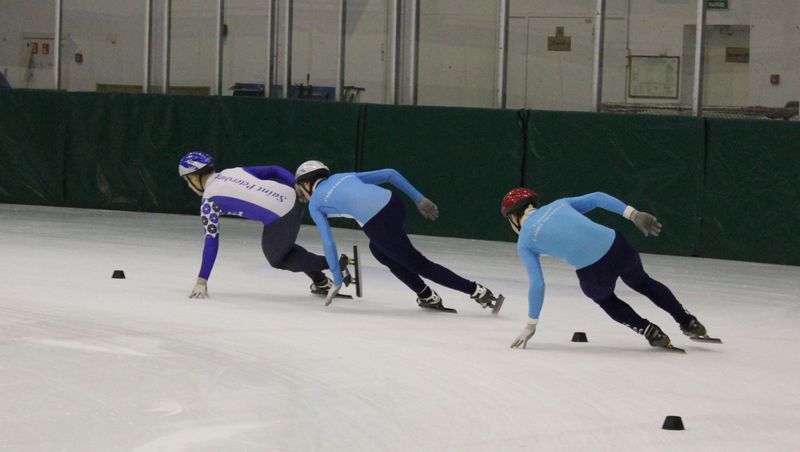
[597, 282]
[636, 278]
[410, 279]
[279, 247]
[623, 313]
[386, 232]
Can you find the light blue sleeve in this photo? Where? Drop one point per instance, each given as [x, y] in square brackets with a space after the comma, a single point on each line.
[328, 244]
[591, 201]
[391, 176]
[536, 279]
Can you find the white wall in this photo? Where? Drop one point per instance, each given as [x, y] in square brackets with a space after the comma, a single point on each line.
[457, 57]
[17, 17]
[457, 52]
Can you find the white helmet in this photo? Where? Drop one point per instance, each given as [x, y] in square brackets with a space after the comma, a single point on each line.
[311, 170]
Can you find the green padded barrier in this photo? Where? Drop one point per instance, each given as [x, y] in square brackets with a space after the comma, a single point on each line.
[463, 159]
[123, 150]
[752, 200]
[653, 163]
[257, 131]
[32, 147]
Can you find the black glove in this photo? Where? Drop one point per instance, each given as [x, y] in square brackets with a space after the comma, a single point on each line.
[646, 223]
[428, 209]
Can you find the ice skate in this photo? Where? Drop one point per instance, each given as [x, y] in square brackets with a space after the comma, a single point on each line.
[486, 298]
[350, 278]
[322, 287]
[657, 338]
[344, 261]
[697, 332]
[433, 301]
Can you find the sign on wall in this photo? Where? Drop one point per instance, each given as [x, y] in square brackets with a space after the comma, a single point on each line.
[717, 4]
[654, 77]
[559, 42]
[737, 55]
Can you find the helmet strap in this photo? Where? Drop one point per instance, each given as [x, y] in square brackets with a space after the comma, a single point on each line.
[528, 212]
[197, 189]
[514, 221]
[306, 192]
[518, 219]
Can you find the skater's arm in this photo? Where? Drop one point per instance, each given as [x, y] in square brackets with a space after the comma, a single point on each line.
[391, 176]
[425, 206]
[594, 200]
[275, 173]
[210, 217]
[536, 279]
[645, 222]
[328, 244]
[210, 249]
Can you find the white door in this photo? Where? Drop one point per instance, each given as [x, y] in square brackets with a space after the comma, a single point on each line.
[560, 80]
[548, 79]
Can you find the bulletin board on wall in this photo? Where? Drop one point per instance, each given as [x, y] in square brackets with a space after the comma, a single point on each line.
[654, 77]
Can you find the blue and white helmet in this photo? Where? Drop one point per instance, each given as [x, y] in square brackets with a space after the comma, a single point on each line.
[194, 162]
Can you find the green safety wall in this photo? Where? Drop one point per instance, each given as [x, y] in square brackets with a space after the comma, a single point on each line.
[32, 129]
[121, 149]
[752, 198]
[653, 163]
[286, 133]
[464, 160]
[722, 188]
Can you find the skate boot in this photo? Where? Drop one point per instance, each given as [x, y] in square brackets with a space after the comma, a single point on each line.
[693, 328]
[322, 287]
[697, 332]
[486, 298]
[431, 300]
[656, 337]
[344, 261]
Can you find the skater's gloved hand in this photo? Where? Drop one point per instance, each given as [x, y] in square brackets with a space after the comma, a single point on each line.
[646, 223]
[200, 289]
[524, 335]
[428, 209]
[332, 293]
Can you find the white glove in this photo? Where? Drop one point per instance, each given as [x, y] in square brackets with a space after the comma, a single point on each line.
[428, 209]
[200, 289]
[332, 293]
[646, 223]
[525, 335]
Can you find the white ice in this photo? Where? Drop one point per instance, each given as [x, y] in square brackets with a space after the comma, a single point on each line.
[91, 363]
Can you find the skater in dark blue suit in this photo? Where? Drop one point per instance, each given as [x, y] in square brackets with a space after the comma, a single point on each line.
[381, 214]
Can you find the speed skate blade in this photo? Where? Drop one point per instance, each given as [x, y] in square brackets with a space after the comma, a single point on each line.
[440, 308]
[674, 349]
[706, 339]
[357, 268]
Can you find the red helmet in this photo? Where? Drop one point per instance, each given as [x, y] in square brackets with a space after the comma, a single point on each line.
[518, 198]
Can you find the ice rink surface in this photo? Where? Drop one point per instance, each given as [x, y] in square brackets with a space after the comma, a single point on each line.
[90, 363]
